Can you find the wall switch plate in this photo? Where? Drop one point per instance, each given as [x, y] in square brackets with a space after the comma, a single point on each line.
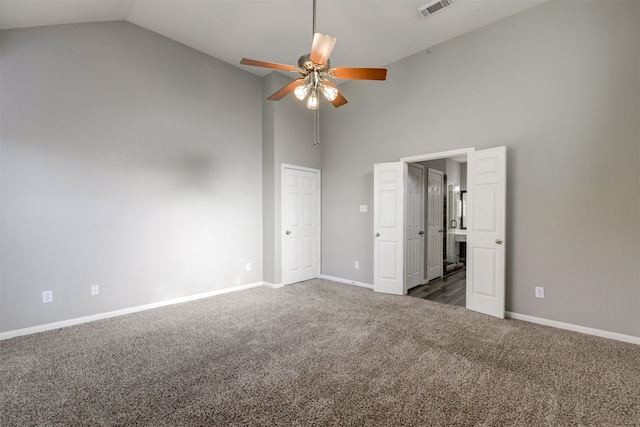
[248, 266]
[356, 265]
[364, 208]
[95, 289]
[47, 296]
[539, 292]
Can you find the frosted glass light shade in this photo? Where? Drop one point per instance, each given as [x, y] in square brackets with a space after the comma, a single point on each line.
[301, 91]
[312, 103]
[329, 92]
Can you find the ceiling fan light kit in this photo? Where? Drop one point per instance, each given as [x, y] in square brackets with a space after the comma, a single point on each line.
[315, 71]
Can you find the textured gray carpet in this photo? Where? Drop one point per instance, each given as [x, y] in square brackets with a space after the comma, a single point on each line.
[316, 353]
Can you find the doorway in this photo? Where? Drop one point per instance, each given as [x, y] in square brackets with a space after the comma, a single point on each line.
[485, 218]
[444, 277]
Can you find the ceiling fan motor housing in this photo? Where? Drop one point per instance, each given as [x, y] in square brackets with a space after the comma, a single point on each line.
[308, 65]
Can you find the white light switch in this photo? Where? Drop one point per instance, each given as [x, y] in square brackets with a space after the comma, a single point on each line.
[364, 208]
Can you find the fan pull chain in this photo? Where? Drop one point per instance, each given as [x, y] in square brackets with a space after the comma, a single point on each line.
[316, 126]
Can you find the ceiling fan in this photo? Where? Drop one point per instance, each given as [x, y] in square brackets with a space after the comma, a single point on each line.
[314, 72]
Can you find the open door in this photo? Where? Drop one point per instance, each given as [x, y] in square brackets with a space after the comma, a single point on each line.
[388, 227]
[414, 226]
[486, 243]
[434, 224]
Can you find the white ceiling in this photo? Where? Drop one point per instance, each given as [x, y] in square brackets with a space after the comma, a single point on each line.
[370, 33]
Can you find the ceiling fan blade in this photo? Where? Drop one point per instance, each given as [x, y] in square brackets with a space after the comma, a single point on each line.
[359, 73]
[265, 64]
[321, 48]
[286, 90]
[340, 100]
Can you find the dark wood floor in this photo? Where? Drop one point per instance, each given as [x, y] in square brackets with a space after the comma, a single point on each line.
[450, 289]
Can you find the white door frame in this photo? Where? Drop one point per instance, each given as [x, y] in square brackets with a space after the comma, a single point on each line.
[448, 154]
[318, 245]
[390, 277]
[437, 156]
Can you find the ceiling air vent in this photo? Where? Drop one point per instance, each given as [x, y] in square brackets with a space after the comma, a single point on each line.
[432, 7]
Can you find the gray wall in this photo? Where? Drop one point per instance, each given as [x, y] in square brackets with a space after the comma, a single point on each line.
[268, 180]
[131, 161]
[439, 164]
[289, 140]
[559, 85]
[128, 161]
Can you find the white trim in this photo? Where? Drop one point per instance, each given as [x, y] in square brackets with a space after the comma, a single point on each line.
[575, 328]
[517, 316]
[273, 285]
[115, 313]
[347, 281]
[553, 323]
[440, 155]
[300, 168]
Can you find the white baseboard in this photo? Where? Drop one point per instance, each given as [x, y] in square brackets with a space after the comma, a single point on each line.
[273, 285]
[347, 281]
[85, 319]
[70, 322]
[575, 328]
[553, 323]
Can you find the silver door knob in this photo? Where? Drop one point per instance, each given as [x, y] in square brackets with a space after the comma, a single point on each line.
[441, 231]
[287, 232]
[499, 241]
[421, 233]
[377, 234]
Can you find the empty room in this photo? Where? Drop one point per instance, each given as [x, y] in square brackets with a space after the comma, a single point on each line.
[319, 212]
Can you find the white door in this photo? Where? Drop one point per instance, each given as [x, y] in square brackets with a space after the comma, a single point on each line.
[388, 227]
[434, 224]
[300, 224]
[486, 243]
[414, 229]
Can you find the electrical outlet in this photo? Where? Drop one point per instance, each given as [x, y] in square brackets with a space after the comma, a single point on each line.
[248, 266]
[95, 289]
[356, 265]
[539, 292]
[47, 296]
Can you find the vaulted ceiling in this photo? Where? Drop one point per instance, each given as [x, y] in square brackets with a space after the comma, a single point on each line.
[369, 32]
